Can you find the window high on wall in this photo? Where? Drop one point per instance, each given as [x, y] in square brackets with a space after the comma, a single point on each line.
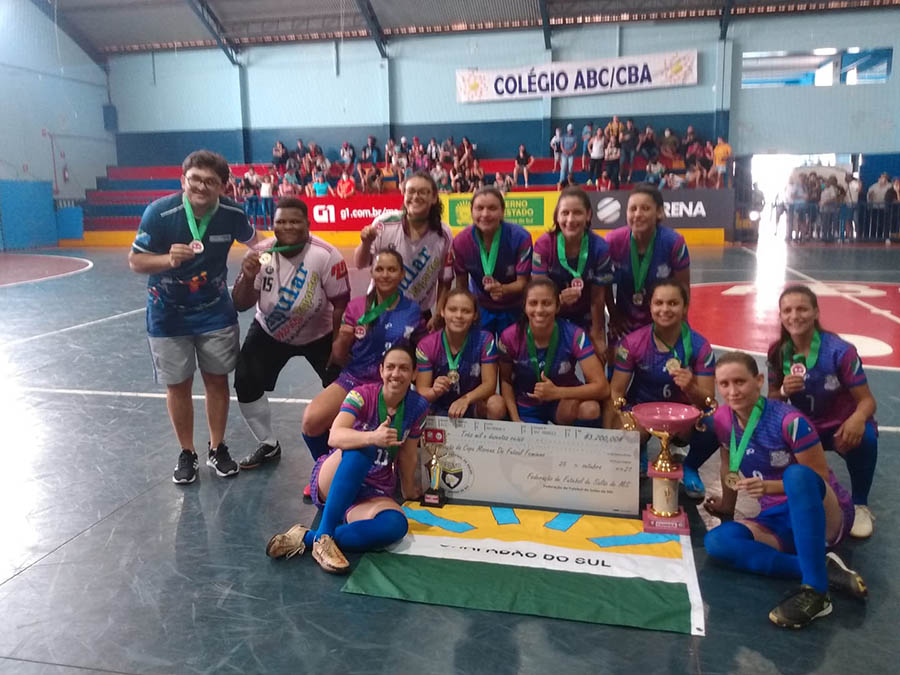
[823, 67]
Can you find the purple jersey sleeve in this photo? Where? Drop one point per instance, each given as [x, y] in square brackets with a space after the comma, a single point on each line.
[679, 258]
[582, 347]
[541, 258]
[628, 353]
[488, 348]
[353, 403]
[850, 369]
[427, 352]
[354, 310]
[704, 362]
[463, 248]
[602, 267]
[523, 253]
[798, 432]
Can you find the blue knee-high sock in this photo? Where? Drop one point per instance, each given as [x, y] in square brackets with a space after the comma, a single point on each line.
[861, 465]
[805, 490]
[375, 533]
[318, 445]
[733, 543]
[354, 466]
[703, 446]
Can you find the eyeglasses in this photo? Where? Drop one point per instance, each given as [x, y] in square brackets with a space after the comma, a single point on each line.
[197, 182]
[424, 192]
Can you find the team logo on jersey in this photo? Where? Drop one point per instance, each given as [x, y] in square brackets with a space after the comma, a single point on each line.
[537, 258]
[779, 459]
[662, 272]
[622, 354]
[355, 399]
[420, 357]
[832, 383]
[564, 367]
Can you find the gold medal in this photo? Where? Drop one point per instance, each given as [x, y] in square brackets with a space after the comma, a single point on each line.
[638, 298]
[453, 376]
[672, 365]
[265, 258]
[731, 479]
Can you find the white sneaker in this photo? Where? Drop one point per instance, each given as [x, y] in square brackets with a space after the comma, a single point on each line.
[863, 522]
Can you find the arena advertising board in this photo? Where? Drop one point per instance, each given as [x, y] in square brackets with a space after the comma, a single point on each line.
[548, 466]
[529, 209]
[578, 78]
[699, 208]
[353, 213]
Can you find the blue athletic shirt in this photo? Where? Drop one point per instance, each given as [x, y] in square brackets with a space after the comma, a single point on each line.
[193, 298]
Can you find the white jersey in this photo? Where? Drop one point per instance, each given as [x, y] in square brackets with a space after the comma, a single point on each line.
[295, 294]
[425, 261]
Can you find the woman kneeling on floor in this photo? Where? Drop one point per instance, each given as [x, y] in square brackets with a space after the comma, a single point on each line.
[375, 437]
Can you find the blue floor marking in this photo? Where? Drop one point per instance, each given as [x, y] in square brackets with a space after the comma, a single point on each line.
[428, 518]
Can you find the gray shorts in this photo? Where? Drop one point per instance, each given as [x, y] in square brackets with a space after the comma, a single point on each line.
[174, 359]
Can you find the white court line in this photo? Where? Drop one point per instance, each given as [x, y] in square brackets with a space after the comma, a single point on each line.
[22, 341]
[52, 276]
[138, 394]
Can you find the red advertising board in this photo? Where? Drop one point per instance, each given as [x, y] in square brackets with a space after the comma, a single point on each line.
[353, 214]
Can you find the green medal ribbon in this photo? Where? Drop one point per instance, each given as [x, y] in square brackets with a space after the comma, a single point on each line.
[396, 422]
[489, 260]
[582, 255]
[453, 362]
[197, 231]
[288, 250]
[551, 352]
[736, 452]
[374, 312]
[640, 264]
[685, 343]
[810, 362]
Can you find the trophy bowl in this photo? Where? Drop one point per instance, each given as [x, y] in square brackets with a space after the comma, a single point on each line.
[673, 418]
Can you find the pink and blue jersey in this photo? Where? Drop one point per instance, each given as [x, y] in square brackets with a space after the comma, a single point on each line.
[513, 259]
[597, 272]
[395, 326]
[638, 355]
[362, 403]
[573, 347]
[431, 357]
[826, 399]
[669, 255]
[781, 434]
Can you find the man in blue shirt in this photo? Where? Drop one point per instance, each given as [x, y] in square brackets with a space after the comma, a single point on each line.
[569, 146]
[182, 243]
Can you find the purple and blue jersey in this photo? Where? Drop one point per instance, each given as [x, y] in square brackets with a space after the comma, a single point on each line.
[597, 272]
[192, 298]
[513, 259]
[362, 403]
[394, 326]
[572, 348]
[669, 255]
[781, 433]
[826, 399]
[638, 355]
[431, 357]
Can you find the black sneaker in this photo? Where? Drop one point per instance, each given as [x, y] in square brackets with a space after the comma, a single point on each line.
[261, 455]
[186, 469]
[842, 578]
[221, 461]
[800, 607]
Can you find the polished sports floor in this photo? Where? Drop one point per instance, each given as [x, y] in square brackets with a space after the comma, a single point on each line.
[107, 566]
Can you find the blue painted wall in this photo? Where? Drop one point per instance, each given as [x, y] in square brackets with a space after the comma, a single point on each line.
[26, 211]
[47, 82]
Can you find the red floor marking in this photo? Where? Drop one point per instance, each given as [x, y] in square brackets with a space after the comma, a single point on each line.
[17, 268]
[742, 315]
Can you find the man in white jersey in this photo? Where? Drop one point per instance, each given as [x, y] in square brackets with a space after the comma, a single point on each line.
[300, 288]
[417, 233]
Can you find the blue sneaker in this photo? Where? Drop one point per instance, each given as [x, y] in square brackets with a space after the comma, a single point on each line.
[693, 486]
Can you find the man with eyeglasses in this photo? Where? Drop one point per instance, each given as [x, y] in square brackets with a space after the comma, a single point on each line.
[182, 243]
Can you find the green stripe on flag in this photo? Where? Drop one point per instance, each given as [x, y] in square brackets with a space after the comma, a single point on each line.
[655, 605]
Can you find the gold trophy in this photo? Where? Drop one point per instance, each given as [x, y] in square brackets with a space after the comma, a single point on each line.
[664, 420]
[434, 495]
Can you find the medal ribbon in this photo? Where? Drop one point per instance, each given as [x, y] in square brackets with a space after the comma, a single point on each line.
[736, 452]
[582, 255]
[396, 422]
[640, 264]
[453, 362]
[685, 343]
[289, 250]
[489, 260]
[551, 352]
[197, 231]
[374, 312]
[810, 362]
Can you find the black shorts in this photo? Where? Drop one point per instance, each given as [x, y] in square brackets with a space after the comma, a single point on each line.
[262, 357]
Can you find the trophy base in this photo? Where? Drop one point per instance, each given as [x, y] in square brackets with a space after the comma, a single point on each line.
[435, 498]
[677, 524]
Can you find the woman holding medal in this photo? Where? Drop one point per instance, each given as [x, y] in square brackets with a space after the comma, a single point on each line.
[375, 436]
[538, 356]
[299, 286]
[668, 361]
[372, 323]
[457, 366]
[822, 375]
[642, 252]
[573, 256]
[803, 507]
[492, 258]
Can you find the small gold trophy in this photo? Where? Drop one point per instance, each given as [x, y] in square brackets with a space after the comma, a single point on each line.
[664, 420]
[434, 495]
